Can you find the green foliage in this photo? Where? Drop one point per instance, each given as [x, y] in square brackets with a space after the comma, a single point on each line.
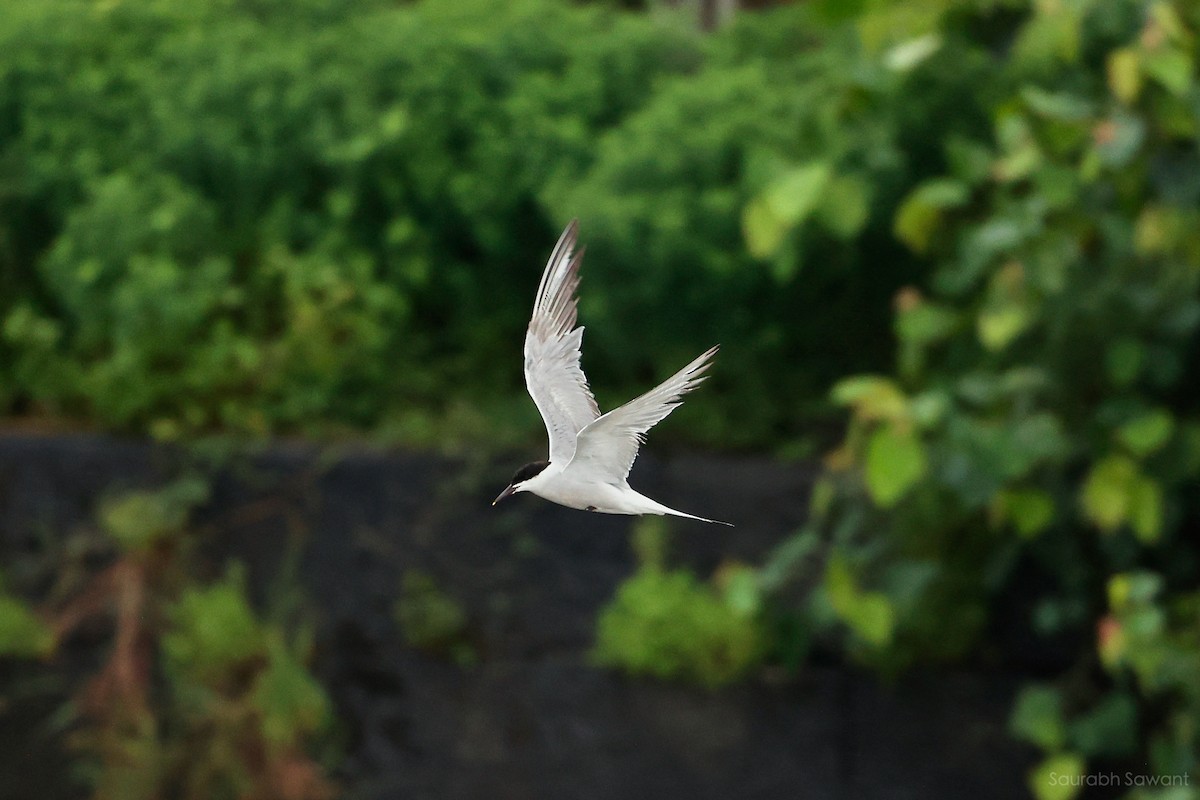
[240, 696]
[249, 217]
[786, 140]
[259, 216]
[141, 519]
[666, 624]
[1040, 411]
[430, 619]
[214, 636]
[293, 706]
[22, 633]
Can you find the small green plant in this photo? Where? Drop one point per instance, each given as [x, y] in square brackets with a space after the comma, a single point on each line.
[198, 697]
[23, 634]
[669, 625]
[432, 620]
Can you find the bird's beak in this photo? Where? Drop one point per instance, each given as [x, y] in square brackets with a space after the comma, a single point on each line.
[504, 494]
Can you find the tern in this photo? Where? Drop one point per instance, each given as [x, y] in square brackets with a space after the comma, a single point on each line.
[590, 453]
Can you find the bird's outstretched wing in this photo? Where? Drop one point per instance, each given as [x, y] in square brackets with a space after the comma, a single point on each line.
[552, 373]
[608, 446]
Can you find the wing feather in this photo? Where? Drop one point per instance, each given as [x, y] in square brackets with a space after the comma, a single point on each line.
[553, 374]
[609, 445]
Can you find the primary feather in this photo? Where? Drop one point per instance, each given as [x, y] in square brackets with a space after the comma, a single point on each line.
[552, 350]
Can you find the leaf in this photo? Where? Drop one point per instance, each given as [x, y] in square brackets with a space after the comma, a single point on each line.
[1146, 509]
[1145, 434]
[1123, 360]
[844, 206]
[1172, 69]
[872, 396]
[1109, 729]
[1031, 510]
[1057, 777]
[1037, 717]
[1062, 106]
[137, 520]
[926, 323]
[291, 702]
[920, 213]
[763, 230]
[1124, 74]
[795, 195]
[895, 462]
[999, 325]
[741, 590]
[872, 618]
[214, 633]
[869, 614]
[1106, 492]
[22, 633]
[908, 55]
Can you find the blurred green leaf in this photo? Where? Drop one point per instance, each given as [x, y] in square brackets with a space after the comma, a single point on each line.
[926, 323]
[139, 520]
[907, 55]
[796, 194]
[920, 212]
[1125, 74]
[1037, 717]
[895, 462]
[868, 614]
[1031, 510]
[1106, 496]
[1172, 69]
[999, 325]
[763, 229]
[1124, 360]
[214, 633]
[1147, 433]
[1146, 509]
[1058, 777]
[844, 206]
[293, 705]
[1057, 105]
[872, 396]
[22, 633]
[1109, 729]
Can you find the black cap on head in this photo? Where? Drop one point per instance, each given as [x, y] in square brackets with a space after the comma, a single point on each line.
[528, 471]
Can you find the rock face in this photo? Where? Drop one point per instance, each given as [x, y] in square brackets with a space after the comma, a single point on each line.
[531, 718]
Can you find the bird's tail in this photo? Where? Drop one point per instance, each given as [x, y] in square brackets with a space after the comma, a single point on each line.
[654, 507]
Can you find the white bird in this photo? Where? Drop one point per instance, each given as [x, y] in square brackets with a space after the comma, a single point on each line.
[590, 453]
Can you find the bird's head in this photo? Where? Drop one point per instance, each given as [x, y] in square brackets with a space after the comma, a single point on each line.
[520, 480]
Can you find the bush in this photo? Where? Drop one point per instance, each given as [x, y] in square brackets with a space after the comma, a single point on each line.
[784, 118]
[269, 216]
[666, 624]
[1038, 439]
[263, 215]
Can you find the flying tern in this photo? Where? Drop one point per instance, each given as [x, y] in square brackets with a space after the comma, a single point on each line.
[590, 453]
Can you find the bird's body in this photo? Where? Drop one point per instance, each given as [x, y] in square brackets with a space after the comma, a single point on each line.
[590, 453]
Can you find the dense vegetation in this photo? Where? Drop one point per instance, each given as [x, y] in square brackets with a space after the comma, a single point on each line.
[274, 215]
[974, 224]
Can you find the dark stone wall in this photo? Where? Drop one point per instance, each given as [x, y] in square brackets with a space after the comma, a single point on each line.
[532, 718]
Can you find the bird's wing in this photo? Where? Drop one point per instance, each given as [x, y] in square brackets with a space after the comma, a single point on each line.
[552, 373]
[607, 447]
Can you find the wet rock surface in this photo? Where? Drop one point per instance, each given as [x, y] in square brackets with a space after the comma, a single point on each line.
[530, 717]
